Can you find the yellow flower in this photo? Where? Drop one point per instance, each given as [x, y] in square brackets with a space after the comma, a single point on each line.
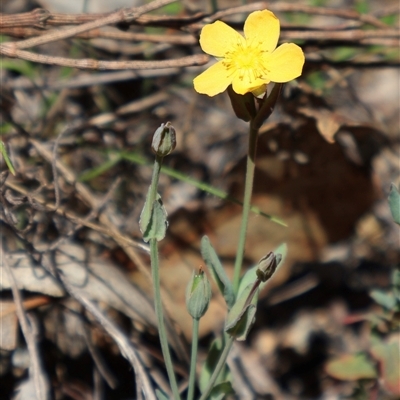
[247, 63]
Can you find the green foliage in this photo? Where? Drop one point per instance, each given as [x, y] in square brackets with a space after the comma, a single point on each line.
[382, 360]
[5, 128]
[7, 160]
[221, 391]
[388, 357]
[217, 271]
[390, 20]
[344, 53]
[352, 367]
[153, 220]
[394, 203]
[113, 159]
[241, 317]
[161, 395]
[23, 67]
[362, 6]
[210, 364]
[317, 80]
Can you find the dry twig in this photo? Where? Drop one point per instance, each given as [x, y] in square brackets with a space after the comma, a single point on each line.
[30, 331]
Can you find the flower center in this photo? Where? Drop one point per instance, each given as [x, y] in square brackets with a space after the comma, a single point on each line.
[247, 61]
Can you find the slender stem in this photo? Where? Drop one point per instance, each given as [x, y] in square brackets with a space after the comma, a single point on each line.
[218, 368]
[156, 287]
[154, 179]
[193, 358]
[160, 318]
[214, 6]
[251, 157]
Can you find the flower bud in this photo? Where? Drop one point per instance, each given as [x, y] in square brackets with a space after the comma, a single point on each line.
[164, 140]
[198, 295]
[267, 266]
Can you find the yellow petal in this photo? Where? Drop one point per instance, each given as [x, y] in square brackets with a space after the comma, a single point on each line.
[285, 63]
[213, 80]
[243, 85]
[218, 38]
[262, 29]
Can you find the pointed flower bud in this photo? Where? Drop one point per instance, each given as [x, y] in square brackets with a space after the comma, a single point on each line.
[198, 295]
[164, 140]
[267, 266]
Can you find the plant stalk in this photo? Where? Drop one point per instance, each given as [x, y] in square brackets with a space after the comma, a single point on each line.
[157, 290]
[251, 158]
[193, 358]
[218, 368]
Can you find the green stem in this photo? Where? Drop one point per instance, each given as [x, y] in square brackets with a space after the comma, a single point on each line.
[193, 358]
[218, 368]
[154, 179]
[160, 318]
[157, 290]
[251, 157]
[214, 6]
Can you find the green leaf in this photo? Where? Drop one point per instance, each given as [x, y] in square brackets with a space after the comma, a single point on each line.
[7, 160]
[384, 299]
[210, 364]
[241, 317]
[145, 215]
[213, 263]
[221, 391]
[395, 279]
[388, 356]
[351, 367]
[161, 395]
[394, 203]
[153, 223]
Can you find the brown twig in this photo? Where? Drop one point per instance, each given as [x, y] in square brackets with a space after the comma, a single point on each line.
[123, 342]
[386, 36]
[86, 79]
[122, 240]
[30, 331]
[9, 50]
[88, 26]
[124, 15]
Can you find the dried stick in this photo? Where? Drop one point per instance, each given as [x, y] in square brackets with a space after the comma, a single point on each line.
[124, 15]
[10, 51]
[123, 342]
[30, 331]
[122, 240]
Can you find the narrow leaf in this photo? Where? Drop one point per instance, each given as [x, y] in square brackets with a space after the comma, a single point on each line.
[394, 203]
[241, 317]
[3, 152]
[161, 395]
[213, 263]
[209, 366]
[158, 223]
[221, 391]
